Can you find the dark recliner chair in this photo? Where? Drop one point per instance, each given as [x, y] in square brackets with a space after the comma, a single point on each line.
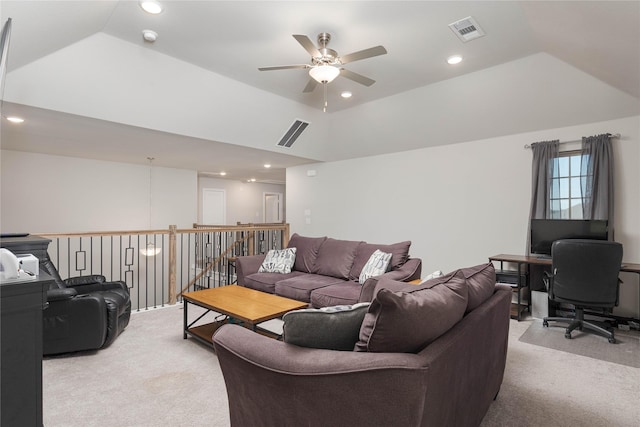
[83, 313]
[585, 274]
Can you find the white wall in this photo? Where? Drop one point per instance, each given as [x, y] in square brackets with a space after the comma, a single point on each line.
[147, 94]
[535, 92]
[50, 194]
[243, 199]
[458, 204]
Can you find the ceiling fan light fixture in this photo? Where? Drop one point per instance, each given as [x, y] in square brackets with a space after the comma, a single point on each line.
[324, 73]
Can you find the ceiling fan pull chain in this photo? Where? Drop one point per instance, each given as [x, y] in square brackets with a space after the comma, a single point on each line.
[324, 110]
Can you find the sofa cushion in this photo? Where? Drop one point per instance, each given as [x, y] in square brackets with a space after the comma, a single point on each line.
[333, 328]
[300, 287]
[399, 255]
[378, 264]
[307, 251]
[278, 261]
[343, 293]
[482, 282]
[402, 322]
[266, 282]
[335, 258]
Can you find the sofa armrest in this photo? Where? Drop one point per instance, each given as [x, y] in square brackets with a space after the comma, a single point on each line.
[260, 374]
[246, 265]
[74, 324]
[84, 280]
[60, 294]
[474, 353]
[410, 270]
[89, 287]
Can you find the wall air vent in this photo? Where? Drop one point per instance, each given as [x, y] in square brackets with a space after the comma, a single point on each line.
[467, 29]
[293, 133]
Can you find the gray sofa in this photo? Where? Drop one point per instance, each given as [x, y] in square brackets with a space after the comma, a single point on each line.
[326, 270]
[427, 355]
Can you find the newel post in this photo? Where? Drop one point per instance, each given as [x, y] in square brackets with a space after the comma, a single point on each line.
[285, 235]
[172, 264]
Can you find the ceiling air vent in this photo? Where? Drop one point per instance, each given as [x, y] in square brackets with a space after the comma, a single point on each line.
[467, 29]
[293, 133]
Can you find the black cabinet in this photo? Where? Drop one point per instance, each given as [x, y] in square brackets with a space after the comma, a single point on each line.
[21, 304]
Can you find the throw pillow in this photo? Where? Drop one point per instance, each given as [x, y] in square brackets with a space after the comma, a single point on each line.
[333, 328]
[399, 255]
[335, 258]
[433, 275]
[482, 283]
[278, 261]
[406, 322]
[378, 264]
[307, 251]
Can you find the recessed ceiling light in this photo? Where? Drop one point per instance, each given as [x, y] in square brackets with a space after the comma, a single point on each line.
[15, 119]
[346, 94]
[223, 173]
[267, 165]
[151, 6]
[455, 59]
[252, 180]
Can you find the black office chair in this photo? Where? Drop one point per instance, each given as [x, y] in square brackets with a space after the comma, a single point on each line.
[585, 274]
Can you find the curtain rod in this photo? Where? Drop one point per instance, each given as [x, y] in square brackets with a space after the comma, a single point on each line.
[612, 135]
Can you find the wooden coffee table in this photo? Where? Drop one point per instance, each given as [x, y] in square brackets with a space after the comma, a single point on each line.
[238, 305]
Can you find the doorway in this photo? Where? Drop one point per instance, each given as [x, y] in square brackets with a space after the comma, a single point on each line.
[272, 207]
[214, 207]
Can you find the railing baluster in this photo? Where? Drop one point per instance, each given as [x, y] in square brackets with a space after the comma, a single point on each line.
[204, 251]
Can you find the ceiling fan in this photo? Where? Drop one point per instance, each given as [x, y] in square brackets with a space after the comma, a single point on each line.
[326, 65]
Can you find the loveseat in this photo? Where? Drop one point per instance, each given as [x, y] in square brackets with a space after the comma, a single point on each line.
[326, 271]
[427, 355]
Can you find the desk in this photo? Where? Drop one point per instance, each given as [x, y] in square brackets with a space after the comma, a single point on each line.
[627, 267]
[524, 261]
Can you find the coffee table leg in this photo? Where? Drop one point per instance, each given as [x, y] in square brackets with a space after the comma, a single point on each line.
[184, 327]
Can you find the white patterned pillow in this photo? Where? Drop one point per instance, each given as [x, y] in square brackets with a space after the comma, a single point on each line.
[433, 275]
[278, 261]
[377, 265]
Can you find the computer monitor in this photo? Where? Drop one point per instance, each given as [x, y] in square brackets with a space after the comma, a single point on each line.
[546, 231]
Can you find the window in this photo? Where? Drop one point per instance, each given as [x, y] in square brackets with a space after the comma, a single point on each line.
[566, 190]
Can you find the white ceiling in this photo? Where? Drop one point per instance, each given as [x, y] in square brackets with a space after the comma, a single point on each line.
[234, 38]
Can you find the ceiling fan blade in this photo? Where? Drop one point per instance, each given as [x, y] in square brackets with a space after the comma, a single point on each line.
[311, 85]
[363, 54]
[284, 67]
[308, 45]
[358, 78]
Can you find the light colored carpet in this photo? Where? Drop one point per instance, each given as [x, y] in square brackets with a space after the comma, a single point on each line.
[626, 350]
[551, 388]
[150, 376]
